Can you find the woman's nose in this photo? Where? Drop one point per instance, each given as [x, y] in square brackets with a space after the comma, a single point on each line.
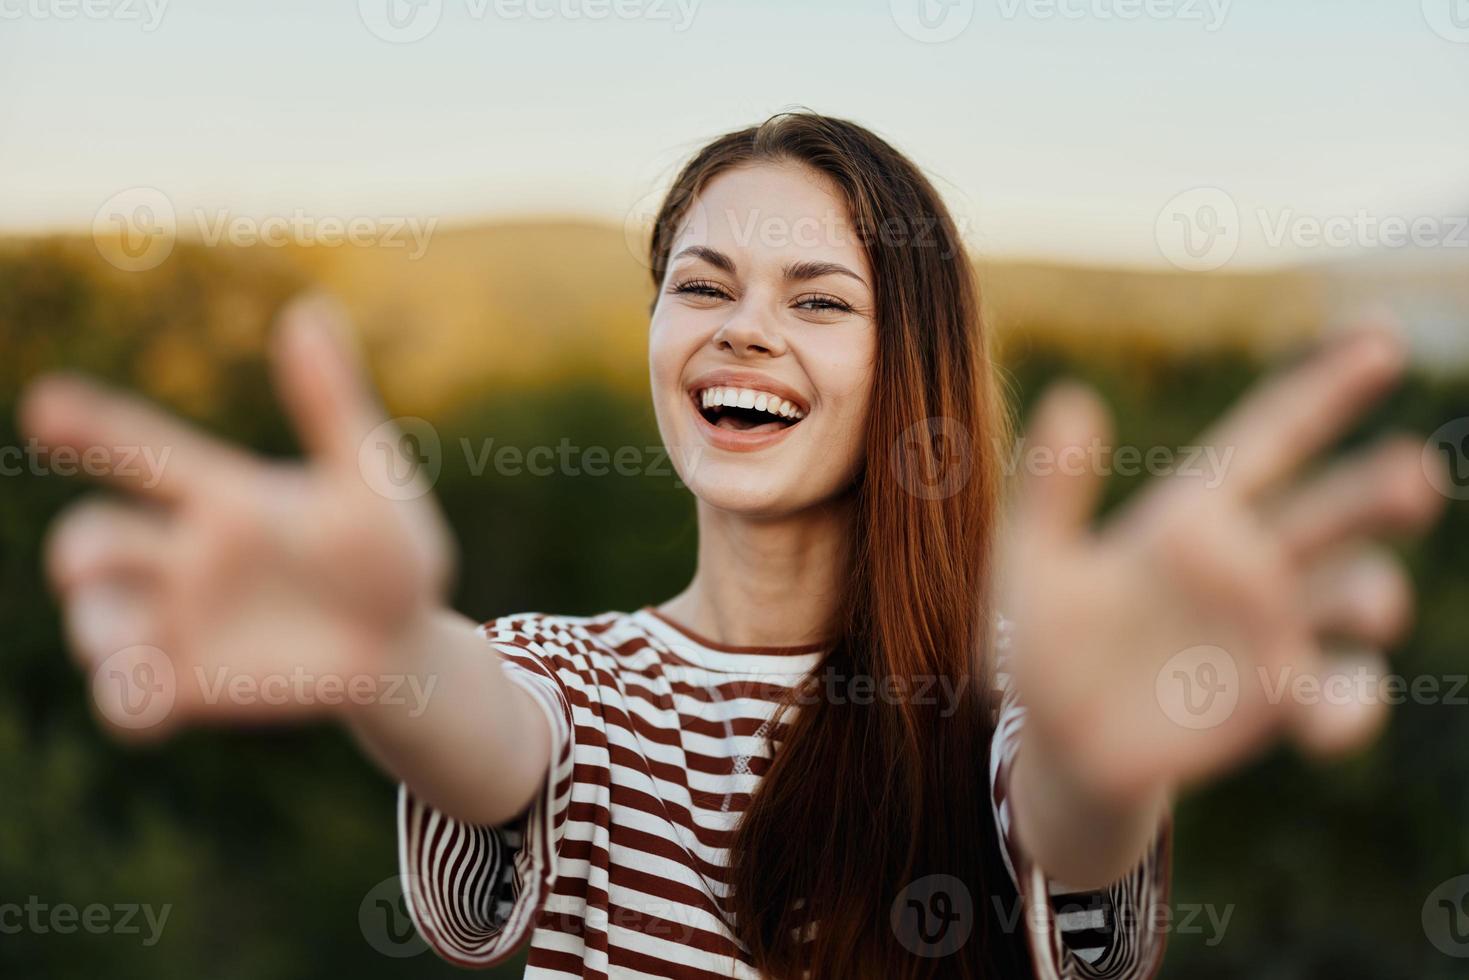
[745, 335]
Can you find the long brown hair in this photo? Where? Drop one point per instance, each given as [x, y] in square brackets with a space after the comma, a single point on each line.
[863, 800]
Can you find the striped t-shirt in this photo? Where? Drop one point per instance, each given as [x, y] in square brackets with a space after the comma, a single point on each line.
[659, 738]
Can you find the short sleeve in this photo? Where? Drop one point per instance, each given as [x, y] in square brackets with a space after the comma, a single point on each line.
[1111, 934]
[474, 892]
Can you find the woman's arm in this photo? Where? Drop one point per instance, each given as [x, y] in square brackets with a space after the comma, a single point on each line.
[1166, 646]
[233, 589]
[476, 747]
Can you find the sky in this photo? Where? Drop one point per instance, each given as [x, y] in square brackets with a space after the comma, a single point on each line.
[1057, 129]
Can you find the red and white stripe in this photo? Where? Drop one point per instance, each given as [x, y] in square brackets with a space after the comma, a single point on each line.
[619, 866]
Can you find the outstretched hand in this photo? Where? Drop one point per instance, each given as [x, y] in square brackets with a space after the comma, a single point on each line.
[1202, 622]
[247, 588]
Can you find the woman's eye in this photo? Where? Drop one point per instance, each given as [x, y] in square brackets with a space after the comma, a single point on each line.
[823, 304]
[701, 288]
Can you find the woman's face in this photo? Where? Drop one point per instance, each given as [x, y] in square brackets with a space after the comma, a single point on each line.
[762, 343]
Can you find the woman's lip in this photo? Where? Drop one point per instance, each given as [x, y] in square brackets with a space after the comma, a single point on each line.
[755, 382]
[736, 440]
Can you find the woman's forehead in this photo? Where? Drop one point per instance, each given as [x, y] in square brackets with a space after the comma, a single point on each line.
[772, 210]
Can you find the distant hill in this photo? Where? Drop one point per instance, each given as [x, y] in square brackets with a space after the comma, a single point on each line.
[531, 303]
[1428, 288]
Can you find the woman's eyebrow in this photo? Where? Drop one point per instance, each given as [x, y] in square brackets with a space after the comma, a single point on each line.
[713, 256]
[794, 272]
[798, 271]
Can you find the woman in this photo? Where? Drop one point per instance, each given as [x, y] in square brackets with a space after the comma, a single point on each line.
[814, 759]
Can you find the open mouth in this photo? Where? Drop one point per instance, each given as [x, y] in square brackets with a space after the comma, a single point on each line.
[746, 409]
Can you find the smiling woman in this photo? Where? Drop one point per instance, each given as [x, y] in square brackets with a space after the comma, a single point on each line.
[755, 777]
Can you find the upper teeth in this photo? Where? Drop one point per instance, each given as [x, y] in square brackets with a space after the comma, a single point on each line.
[761, 401]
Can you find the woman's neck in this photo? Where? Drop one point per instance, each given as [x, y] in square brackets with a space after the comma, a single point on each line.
[767, 582]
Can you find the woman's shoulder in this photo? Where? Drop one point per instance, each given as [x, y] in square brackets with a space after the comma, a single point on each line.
[545, 627]
[614, 633]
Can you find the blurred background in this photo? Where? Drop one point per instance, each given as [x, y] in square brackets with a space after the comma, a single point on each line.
[1161, 199]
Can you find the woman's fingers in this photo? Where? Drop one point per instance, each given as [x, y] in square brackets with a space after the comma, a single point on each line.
[1381, 490]
[1070, 425]
[107, 615]
[100, 538]
[323, 381]
[1343, 707]
[1360, 602]
[1294, 416]
[117, 437]
[1363, 597]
